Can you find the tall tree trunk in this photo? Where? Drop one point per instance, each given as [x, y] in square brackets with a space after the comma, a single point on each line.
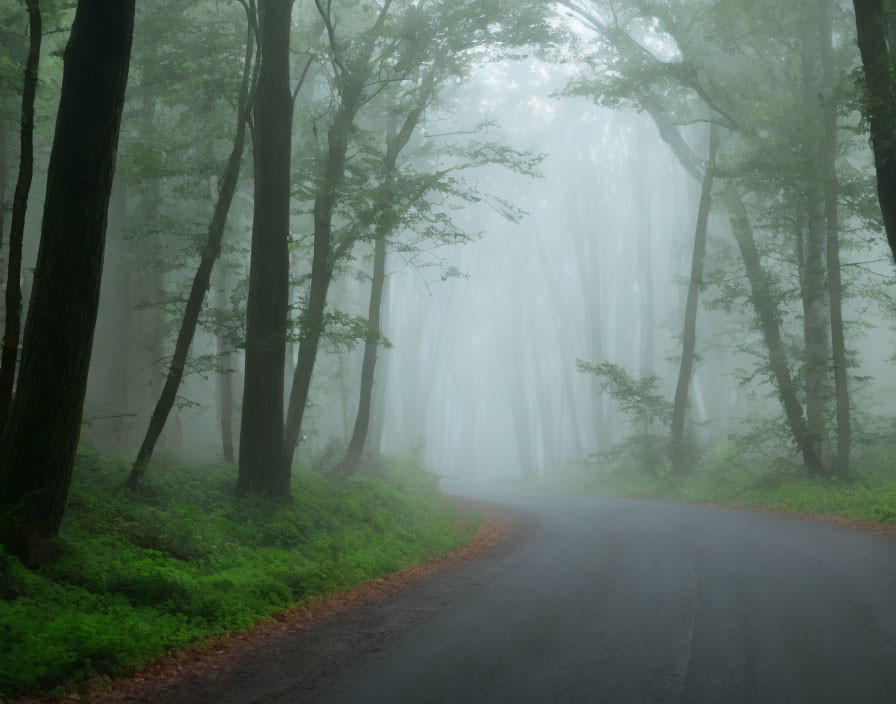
[322, 262]
[225, 380]
[814, 280]
[201, 278]
[880, 81]
[388, 219]
[4, 175]
[761, 298]
[261, 429]
[352, 83]
[381, 375]
[13, 326]
[831, 194]
[368, 365]
[689, 339]
[39, 441]
[647, 316]
[767, 316]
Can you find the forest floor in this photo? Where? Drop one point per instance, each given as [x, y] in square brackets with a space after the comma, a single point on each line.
[182, 564]
[722, 478]
[175, 676]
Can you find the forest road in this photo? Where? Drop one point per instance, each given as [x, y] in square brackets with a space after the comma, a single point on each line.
[609, 600]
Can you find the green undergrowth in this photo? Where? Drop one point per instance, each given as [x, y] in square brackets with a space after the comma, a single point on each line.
[725, 476]
[136, 576]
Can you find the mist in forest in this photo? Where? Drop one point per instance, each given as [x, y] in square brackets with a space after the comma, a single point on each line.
[300, 295]
[561, 233]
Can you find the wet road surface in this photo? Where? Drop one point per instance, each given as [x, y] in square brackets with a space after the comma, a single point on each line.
[608, 600]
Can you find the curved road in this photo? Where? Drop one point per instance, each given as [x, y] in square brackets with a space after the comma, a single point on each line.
[606, 600]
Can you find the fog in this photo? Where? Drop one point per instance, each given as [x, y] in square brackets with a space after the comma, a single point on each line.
[521, 271]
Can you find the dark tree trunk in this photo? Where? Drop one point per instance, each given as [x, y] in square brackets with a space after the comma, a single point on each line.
[38, 445]
[831, 192]
[201, 281]
[689, 339]
[261, 431]
[13, 325]
[225, 381]
[4, 174]
[880, 81]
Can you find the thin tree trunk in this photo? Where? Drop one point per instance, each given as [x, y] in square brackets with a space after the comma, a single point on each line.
[225, 380]
[324, 257]
[200, 280]
[763, 304]
[38, 445]
[646, 296]
[689, 339]
[368, 365]
[13, 325]
[381, 375]
[261, 428]
[831, 191]
[767, 315]
[387, 221]
[321, 277]
[4, 175]
[880, 81]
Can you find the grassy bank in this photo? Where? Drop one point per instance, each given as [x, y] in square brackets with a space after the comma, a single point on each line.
[136, 576]
[727, 476]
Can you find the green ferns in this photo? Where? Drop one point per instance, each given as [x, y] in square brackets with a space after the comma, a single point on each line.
[136, 576]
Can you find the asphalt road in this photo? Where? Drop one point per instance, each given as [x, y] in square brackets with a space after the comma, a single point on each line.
[605, 600]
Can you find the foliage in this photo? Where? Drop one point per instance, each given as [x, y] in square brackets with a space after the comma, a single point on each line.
[727, 475]
[138, 576]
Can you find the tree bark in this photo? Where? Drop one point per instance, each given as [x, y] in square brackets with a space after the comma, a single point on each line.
[763, 304]
[689, 339]
[368, 365]
[880, 82]
[4, 175]
[646, 302]
[39, 441]
[386, 222]
[767, 316]
[814, 285]
[831, 194]
[322, 262]
[201, 280]
[13, 324]
[225, 381]
[261, 429]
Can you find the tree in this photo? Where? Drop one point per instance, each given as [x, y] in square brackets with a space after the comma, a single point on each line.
[386, 222]
[13, 324]
[202, 277]
[880, 87]
[353, 68]
[689, 339]
[666, 90]
[399, 45]
[832, 229]
[261, 431]
[38, 444]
